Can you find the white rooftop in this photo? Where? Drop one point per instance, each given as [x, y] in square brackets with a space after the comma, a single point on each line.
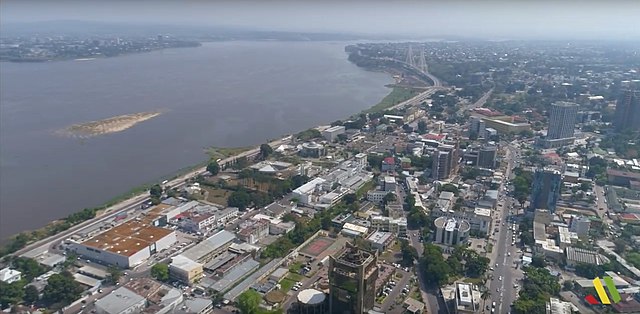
[184, 263]
[311, 296]
[119, 301]
[356, 228]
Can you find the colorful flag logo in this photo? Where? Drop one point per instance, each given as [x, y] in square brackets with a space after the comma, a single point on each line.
[602, 294]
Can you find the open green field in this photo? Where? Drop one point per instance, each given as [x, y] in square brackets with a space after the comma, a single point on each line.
[224, 152]
[397, 95]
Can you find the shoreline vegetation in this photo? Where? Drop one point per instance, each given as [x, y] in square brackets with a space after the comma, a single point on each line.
[21, 240]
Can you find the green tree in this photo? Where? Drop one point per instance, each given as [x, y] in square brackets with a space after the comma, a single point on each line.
[450, 188]
[213, 167]
[265, 151]
[538, 261]
[249, 301]
[61, 290]
[11, 293]
[567, 285]
[409, 253]
[390, 197]
[350, 198]
[114, 274]
[422, 127]
[31, 294]
[156, 190]
[240, 199]
[155, 200]
[28, 267]
[160, 272]
[326, 223]
[486, 294]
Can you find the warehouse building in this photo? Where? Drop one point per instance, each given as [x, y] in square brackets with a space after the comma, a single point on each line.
[125, 245]
[206, 250]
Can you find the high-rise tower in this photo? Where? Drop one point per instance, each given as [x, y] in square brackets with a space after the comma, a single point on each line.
[562, 122]
[545, 190]
[627, 115]
[352, 281]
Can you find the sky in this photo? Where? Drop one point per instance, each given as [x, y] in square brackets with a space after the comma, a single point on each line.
[507, 19]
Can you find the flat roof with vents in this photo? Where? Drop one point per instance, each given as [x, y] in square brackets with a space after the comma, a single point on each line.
[128, 238]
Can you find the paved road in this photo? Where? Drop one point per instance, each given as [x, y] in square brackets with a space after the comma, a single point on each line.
[432, 301]
[478, 104]
[502, 291]
[391, 298]
[416, 100]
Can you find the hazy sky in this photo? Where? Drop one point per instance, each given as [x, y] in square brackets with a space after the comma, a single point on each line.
[613, 19]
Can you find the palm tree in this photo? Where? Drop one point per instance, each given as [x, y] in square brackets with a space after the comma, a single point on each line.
[486, 294]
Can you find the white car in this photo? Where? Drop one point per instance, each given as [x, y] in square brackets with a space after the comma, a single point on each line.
[500, 278]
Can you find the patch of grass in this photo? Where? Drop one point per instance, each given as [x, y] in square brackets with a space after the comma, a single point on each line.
[286, 284]
[475, 281]
[396, 96]
[224, 152]
[416, 294]
[295, 277]
[217, 196]
[295, 267]
[489, 247]
[365, 188]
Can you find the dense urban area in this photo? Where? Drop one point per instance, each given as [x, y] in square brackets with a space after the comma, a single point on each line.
[496, 177]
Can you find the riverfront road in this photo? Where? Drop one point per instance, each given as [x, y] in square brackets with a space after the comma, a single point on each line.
[132, 203]
[415, 100]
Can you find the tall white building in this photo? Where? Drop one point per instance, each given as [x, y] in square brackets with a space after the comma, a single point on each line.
[451, 232]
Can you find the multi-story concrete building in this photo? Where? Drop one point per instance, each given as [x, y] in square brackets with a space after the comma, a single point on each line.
[254, 232]
[352, 281]
[627, 116]
[477, 127]
[451, 232]
[380, 240]
[397, 226]
[389, 183]
[562, 122]
[505, 127]
[376, 195]
[467, 299]
[487, 157]
[126, 245]
[185, 270]
[312, 150]
[580, 225]
[441, 166]
[388, 164]
[545, 190]
[331, 134]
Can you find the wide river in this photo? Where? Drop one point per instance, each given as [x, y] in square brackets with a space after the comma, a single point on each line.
[220, 94]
